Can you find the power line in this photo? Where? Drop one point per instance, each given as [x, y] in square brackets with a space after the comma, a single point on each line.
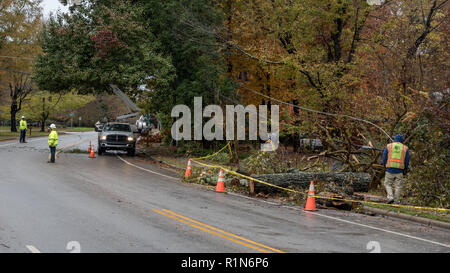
[318, 112]
[262, 116]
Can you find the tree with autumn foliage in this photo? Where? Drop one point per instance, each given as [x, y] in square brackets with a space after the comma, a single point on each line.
[350, 72]
[371, 71]
[20, 21]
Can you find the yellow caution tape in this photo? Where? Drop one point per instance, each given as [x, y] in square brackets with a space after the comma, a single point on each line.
[208, 156]
[244, 176]
[384, 204]
[295, 191]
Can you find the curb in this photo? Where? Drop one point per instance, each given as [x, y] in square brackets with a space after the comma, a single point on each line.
[421, 220]
[161, 161]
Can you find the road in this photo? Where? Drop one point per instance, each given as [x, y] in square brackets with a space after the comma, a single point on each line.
[116, 203]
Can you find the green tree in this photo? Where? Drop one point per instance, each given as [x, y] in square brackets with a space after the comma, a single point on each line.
[44, 105]
[134, 44]
[97, 44]
[20, 21]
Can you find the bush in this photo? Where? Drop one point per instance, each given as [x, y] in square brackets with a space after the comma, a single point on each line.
[429, 183]
[193, 149]
[280, 161]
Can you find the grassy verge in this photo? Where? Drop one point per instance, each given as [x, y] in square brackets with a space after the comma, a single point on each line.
[424, 214]
[177, 162]
[5, 134]
[76, 151]
[77, 129]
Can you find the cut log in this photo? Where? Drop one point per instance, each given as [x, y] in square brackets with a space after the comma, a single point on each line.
[358, 181]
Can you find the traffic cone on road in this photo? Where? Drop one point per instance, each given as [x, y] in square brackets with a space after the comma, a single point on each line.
[311, 201]
[220, 183]
[188, 170]
[92, 153]
[89, 149]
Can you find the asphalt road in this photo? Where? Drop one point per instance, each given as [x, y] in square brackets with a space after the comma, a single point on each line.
[116, 203]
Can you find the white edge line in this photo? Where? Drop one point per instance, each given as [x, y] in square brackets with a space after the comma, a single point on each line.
[381, 229]
[326, 216]
[33, 249]
[346, 221]
[131, 164]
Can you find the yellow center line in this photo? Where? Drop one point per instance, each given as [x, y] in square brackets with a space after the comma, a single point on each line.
[209, 231]
[224, 232]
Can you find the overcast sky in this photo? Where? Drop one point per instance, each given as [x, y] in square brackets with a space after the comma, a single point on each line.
[52, 6]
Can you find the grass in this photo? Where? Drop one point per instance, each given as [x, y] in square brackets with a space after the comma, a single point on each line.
[5, 133]
[76, 151]
[429, 215]
[77, 129]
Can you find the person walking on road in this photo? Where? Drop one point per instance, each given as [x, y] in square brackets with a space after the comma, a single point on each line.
[396, 161]
[52, 142]
[23, 129]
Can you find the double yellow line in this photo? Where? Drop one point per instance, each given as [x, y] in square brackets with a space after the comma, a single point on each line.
[218, 232]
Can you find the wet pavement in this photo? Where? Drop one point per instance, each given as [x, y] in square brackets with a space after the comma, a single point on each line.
[116, 203]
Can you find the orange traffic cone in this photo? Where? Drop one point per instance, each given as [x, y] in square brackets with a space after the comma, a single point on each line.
[89, 149]
[311, 201]
[220, 183]
[92, 153]
[188, 170]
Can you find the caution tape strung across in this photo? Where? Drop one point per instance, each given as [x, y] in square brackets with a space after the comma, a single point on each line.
[196, 160]
[384, 204]
[208, 156]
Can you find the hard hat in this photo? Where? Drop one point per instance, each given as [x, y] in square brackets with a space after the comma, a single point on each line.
[23, 117]
[53, 126]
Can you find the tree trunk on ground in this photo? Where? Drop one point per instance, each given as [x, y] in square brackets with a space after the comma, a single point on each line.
[358, 181]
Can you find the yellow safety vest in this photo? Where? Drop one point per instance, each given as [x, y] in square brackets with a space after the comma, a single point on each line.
[23, 125]
[396, 157]
[53, 138]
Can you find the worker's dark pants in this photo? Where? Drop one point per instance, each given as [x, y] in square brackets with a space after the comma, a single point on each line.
[52, 154]
[22, 135]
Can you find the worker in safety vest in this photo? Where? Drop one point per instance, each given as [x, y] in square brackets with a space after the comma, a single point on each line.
[396, 161]
[271, 144]
[23, 129]
[52, 142]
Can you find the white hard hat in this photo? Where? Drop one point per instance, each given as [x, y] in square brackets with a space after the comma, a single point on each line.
[23, 116]
[53, 126]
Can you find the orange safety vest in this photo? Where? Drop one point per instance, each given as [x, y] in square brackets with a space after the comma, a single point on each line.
[396, 157]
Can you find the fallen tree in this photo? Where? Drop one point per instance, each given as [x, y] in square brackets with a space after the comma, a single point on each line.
[359, 182]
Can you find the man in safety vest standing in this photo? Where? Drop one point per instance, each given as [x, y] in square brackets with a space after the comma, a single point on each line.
[396, 161]
[52, 142]
[23, 130]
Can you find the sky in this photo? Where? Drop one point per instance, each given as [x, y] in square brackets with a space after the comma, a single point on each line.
[52, 6]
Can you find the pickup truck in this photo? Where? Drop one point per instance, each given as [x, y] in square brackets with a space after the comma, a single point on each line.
[117, 136]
